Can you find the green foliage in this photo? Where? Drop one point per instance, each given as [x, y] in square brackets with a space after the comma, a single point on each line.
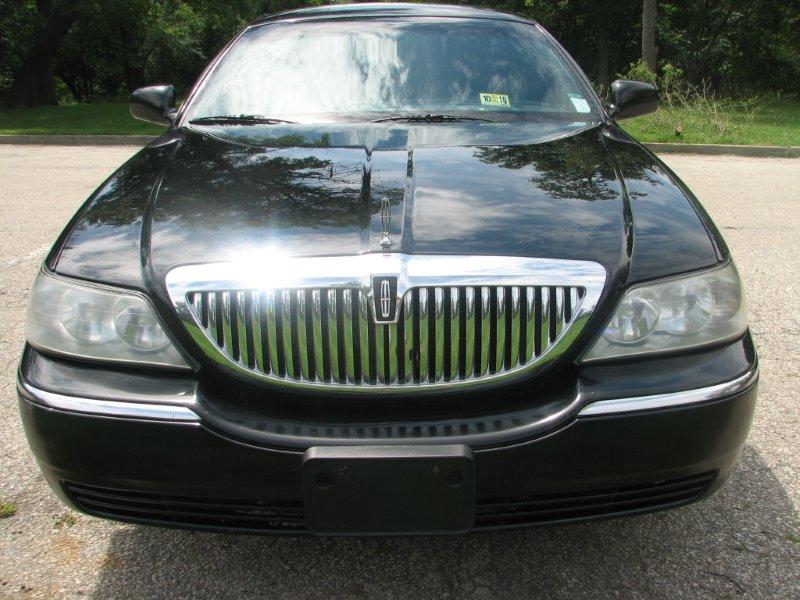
[761, 122]
[74, 119]
[639, 71]
[733, 48]
[7, 510]
[697, 113]
[770, 123]
[18, 24]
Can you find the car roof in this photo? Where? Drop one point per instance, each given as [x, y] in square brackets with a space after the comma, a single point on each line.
[393, 9]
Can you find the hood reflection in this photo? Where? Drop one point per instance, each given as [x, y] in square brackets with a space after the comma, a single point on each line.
[219, 199]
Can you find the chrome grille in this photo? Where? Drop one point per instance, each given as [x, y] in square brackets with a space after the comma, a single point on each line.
[443, 334]
[460, 320]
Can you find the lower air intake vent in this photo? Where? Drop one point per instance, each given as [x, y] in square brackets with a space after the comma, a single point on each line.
[145, 507]
[532, 510]
[289, 516]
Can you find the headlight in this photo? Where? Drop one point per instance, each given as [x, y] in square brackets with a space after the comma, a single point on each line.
[97, 322]
[676, 314]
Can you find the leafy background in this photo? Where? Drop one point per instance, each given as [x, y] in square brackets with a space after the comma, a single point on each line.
[737, 48]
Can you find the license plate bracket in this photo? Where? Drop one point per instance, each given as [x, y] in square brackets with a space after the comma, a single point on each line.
[373, 490]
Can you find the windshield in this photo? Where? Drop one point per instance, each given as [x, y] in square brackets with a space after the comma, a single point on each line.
[344, 69]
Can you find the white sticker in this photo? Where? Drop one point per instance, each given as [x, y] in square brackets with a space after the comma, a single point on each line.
[580, 104]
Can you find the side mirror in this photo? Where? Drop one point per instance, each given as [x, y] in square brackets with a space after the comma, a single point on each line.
[632, 99]
[154, 104]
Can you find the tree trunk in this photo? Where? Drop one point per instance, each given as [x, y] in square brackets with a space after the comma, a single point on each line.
[33, 84]
[649, 49]
[602, 55]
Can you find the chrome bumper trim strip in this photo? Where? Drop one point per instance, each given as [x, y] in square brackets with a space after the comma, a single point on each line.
[183, 413]
[640, 403]
[110, 408]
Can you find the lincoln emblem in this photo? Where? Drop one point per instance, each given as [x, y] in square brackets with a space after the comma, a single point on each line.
[386, 299]
[386, 224]
[384, 293]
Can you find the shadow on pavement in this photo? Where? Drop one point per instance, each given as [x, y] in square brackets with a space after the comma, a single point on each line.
[730, 545]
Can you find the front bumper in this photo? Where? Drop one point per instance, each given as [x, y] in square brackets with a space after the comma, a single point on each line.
[157, 460]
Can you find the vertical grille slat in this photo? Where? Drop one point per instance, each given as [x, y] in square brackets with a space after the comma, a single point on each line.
[213, 329]
[392, 359]
[544, 320]
[485, 315]
[227, 325]
[257, 320]
[380, 353]
[438, 329]
[500, 330]
[517, 326]
[366, 358]
[558, 313]
[529, 302]
[442, 334]
[302, 347]
[316, 354]
[244, 329]
[271, 322]
[368, 371]
[424, 329]
[469, 332]
[348, 313]
[409, 348]
[332, 323]
[286, 333]
[454, 314]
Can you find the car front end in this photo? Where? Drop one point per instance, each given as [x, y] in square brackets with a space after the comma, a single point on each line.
[388, 324]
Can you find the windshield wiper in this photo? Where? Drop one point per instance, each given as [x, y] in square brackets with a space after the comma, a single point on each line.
[431, 118]
[238, 120]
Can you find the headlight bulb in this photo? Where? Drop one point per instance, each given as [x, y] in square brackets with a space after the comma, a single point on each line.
[686, 306]
[634, 319]
[138, 326]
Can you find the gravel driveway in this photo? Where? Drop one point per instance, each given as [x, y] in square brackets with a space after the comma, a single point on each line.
[745, 541]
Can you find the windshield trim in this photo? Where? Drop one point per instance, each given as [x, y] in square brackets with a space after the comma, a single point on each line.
[582, 79]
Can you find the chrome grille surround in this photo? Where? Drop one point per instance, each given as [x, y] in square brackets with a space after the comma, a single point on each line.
[460, 320]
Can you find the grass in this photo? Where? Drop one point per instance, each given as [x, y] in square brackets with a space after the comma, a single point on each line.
[65, 520]
[74, 119]
[768, 124]
[7, 510]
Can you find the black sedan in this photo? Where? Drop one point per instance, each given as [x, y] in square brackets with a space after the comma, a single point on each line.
[390, 269]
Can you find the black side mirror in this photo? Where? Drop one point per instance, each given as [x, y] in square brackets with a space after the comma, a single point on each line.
[154, 104]
[632, 99]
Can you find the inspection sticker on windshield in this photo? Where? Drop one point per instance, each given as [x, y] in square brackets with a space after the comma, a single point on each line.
[494, 99]
[580, 103]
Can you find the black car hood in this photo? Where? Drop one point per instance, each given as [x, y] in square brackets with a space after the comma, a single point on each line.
[520, 189]
[311, 194]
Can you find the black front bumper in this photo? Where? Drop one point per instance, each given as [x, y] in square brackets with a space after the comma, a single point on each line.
[194, 475]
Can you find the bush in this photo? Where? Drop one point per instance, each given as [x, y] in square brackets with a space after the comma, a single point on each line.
[683, 103]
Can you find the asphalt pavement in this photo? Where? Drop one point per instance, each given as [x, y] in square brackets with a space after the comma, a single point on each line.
[742, 542]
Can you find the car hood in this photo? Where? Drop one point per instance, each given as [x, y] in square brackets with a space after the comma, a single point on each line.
[231, 193]
[568, 191]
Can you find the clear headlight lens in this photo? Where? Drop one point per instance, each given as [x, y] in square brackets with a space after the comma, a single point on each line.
[676, 314]
[97, 322]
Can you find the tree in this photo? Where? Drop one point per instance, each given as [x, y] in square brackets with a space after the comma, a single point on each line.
[649, 49]
[33, 83]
